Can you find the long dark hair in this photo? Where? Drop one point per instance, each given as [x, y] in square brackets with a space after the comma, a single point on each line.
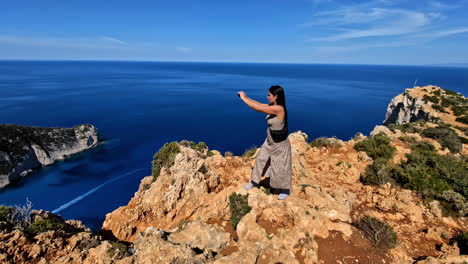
[277, 90]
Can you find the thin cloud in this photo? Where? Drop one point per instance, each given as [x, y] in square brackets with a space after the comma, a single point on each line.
[442, 33]
[114, 40]
[183, 49]
[375, 22]
[348, 48]
[88, 43]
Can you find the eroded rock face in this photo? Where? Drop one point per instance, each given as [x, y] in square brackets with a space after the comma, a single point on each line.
[405, 108]
[183, 216]
[25, 148]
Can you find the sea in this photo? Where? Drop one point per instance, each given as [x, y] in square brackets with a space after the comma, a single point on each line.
[139, 106]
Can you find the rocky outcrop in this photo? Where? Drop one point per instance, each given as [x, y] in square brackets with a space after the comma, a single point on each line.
[406, 108]
[183, 215]
[23, 149]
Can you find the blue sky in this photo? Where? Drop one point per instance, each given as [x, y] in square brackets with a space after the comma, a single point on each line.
[400, 32]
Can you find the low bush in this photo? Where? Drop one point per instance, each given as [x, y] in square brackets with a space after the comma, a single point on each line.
[459, 110]
[239, 206]
[249, 153]
[118, 250]
[414, 127]
[164, 158]
[380, 233]
[201, 146]
[228, 154]
[325, 142]
[376, 173]
[431, 175]
[432, 99]
[5, 213]
[408, 139]
[377, 146]
[463, 119]
[43, 225]
[454, 203]
[450, 92]
[445, 136]
[439, 108]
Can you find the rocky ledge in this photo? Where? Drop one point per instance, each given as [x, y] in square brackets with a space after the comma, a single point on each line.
[349, 204]
[23, 149]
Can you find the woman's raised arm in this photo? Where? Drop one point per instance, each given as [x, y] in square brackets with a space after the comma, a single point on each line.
[257, 106]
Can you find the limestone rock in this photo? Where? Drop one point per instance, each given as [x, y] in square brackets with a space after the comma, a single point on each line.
[202, 236]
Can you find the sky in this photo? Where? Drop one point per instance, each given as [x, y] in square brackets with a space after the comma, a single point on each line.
[395, 32]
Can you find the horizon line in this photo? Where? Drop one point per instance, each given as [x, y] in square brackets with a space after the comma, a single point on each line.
[454, 65]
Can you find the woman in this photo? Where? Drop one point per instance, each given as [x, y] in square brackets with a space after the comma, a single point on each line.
[274, 158]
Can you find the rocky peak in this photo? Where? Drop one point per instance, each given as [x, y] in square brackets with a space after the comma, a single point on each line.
[427, 103]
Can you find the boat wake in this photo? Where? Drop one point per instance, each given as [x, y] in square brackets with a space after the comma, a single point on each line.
[77, 199]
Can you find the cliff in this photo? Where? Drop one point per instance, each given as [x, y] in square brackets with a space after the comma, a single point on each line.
[348, 204]
[25, 148]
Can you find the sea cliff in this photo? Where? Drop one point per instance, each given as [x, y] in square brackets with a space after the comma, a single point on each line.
[23, 148]
[397, 195]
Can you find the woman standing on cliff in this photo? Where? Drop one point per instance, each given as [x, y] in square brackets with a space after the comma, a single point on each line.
[274, 158]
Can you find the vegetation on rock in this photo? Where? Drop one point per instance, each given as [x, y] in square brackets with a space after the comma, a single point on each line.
[118, 250]
[164, 158]
[325, 142]
[43, 225]
[249, 153]
[380, 233]
[239, 206]
[445, 136]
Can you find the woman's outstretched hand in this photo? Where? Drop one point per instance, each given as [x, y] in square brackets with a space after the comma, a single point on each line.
[241, 94]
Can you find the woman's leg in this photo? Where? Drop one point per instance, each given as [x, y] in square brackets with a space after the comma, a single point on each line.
[262, 163]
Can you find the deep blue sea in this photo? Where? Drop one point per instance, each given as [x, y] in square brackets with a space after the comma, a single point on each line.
[139, 106]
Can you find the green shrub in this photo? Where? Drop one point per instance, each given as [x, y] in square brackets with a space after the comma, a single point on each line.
[5, 213]
[463, 119]
[423, 146]
[408, 139]
[228, 154]
[377, 146]
[436, 92]
[164, 158]
[445, 136]
[358, 137]
[439, 108]
[380, 233]
[43, 225]
[459, 110]
[376, 173]
[414, 127]
[201, 146]
[454, 203]
[249, 153]
[450, 92]
[210, 153]
[325, 142]
[462, 241]
[431, 175]
[239, 206]
[432, 99]
[118, 250]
